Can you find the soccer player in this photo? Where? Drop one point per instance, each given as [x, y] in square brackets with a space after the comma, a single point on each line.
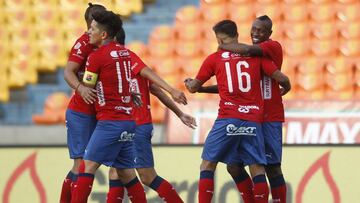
[111, 143]
[273, 110]
[80, 115]
[145, 81]
[236, 137]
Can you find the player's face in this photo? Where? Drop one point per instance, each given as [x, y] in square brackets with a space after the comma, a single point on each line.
[95, 34]
[259, 32]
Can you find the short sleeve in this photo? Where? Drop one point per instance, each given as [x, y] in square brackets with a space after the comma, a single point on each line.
[207, 69]
[136, 63]
[80, 51]
[268, 66]
[272, 50]
[93, 63]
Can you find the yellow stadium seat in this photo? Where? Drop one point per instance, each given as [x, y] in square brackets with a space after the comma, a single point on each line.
[350, 47]
[241, 12]
[310, 86]
[298, 30]
[349, 12]
[187, 14]
[17, 16]
[48, 12]
[209, 46]
[190, 66]
[295, 12]
[350, 30]
[322, 12]
[162, 33]
[311, 65]
[325, 30]
[339, 86]
[213, 13]
[164, 66]
[340, 64]
[324, 47]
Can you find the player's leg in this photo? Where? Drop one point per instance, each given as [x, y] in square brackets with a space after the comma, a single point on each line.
[79, 129]
[206, 182]
[252, 153]
[243, 182]
[273, 148]
[116, 188]
[144, 163]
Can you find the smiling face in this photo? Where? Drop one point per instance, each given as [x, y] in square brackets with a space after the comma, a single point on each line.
[260, 31]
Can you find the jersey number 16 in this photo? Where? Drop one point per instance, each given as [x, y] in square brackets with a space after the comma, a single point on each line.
[243, 86]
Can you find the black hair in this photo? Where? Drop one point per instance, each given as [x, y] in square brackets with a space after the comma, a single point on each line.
[267, 20]
[227, 27]
[120, 36]
[91, 9]
[109, 22]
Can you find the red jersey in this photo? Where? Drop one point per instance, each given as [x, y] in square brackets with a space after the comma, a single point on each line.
[78, 54]
[142, 114]
[273, 106]
[238, 80]
[112, 65]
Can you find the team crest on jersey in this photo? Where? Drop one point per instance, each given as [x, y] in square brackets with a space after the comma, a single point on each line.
[232, 130]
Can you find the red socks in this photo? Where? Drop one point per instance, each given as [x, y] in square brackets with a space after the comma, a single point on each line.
[206, 186]
[278, 189]
[245, 186]
[83, 188]
[165, 190]
[136, 191]
[116, 192]
[261, 189]
[66, 189]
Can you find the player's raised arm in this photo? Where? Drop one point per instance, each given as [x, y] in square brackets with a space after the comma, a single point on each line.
[159, 93]
[177, 95]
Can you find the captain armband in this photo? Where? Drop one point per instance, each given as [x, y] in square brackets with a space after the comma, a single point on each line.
[90, 78]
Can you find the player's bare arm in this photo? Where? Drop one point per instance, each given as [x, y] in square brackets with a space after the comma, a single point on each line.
[87, 92]
[193, 85]
[160, 94]
[71, 78]
[283, 80]
[243, 49]
[177, 95]
[212, 89]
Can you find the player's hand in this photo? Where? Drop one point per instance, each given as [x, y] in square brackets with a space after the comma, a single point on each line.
[88, 94]
[178, 96]
[188, 120]
[283, 91]
[187, 83]
[136, 98]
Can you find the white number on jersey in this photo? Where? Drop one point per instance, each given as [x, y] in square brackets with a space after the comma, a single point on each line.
[240, 74]
[127, 68]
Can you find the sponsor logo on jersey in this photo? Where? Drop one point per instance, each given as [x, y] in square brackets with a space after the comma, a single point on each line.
[126, 136]
[225, 55]
[229, 104]
[77, 45]
[232, 130]
[100, 94]
[127, 110]
[267, 87]
[246, 109]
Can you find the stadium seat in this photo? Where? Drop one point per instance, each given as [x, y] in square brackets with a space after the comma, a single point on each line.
[270, 9]
[310, 86]
[190, 66]
[188, 48]
[296, 47]
[295, 12]
[209, 46]
[322, 11]
[239, 1]
[162, 33]
[324, 47]
[350, 47]
[161, 48]
[187, 14]
[299, 30]
[54, 109]
[241, 12]
[325, 30]
[188, 31]
[244, 32]
[350, 30]
[213, 13]
[348, 12]
[139, 48]
[311, 65]
[339, 86]
[340, 64]
[164, 66]
[158, 111]
[212, 1]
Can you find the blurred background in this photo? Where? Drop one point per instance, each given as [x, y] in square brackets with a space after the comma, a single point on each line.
[321, 45]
